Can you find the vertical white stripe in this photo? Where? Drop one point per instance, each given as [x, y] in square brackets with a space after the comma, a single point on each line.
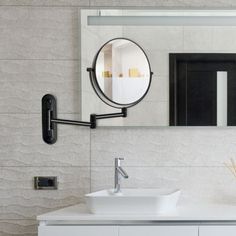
[221, 98]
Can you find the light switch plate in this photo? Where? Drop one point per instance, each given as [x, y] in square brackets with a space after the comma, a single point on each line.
[45, 182]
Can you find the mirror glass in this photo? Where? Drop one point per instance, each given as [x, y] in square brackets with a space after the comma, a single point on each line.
[122, 71]
[192, 54]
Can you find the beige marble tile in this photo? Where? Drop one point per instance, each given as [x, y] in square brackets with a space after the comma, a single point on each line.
[174, 146]
[198, 184]
[39, 33]
[18, 227]
[18, 199]
[22, 144]
[25, 82]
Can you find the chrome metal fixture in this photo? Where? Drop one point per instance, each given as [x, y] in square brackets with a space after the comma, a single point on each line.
[119, 172]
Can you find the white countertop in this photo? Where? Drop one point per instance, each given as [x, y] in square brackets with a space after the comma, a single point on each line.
[199, 213]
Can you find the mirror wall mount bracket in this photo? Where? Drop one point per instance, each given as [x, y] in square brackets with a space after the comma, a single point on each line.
[50, 120]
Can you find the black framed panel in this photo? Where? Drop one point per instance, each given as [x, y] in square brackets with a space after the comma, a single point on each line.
[193, 88]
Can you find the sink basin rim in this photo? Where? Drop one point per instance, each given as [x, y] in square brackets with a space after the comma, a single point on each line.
[130, 193]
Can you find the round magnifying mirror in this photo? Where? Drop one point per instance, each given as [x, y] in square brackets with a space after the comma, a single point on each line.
[122, 73]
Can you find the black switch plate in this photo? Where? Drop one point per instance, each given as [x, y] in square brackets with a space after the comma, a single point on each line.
[45, 182]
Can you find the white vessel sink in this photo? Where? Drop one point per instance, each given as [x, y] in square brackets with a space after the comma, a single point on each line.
[133, 201]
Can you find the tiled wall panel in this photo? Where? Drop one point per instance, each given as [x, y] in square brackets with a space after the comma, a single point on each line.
[18, 199]
[39, 33]
[39, 54]
[18, 227]
[22, 88]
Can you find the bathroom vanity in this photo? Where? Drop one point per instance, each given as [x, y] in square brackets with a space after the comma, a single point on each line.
[197, 220]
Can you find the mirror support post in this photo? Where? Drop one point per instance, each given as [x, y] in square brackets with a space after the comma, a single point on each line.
[50, 120]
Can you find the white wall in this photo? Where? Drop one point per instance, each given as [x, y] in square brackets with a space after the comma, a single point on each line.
[39, 53]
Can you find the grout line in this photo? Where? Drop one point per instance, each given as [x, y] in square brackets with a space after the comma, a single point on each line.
[90, 160]
[37, 59]
[22, 166]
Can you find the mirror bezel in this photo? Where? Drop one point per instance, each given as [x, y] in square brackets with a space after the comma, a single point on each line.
[99, 91]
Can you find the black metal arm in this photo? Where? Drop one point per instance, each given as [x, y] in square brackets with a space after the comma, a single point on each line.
[50, 120]
[93, 119]
[70, 122]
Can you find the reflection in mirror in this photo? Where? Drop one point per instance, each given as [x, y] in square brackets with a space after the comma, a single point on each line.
[202, 89]
[222, 98]
[122, 71]
[211, 91]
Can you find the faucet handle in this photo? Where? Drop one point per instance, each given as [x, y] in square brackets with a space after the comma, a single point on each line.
[117, 160]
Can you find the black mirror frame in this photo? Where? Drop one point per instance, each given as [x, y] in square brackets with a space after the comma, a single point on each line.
[96, 87]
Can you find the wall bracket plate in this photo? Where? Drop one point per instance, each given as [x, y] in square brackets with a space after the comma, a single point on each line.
[49, 112]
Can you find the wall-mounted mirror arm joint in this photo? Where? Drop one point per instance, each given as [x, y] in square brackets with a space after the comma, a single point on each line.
[94, 117]
[50, 120]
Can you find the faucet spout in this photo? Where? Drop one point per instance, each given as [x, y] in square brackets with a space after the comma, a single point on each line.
[122, 172]
[119, 172]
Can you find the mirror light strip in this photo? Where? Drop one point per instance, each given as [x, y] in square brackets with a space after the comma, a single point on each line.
[176, 12]
[163, 20]
[221, 98]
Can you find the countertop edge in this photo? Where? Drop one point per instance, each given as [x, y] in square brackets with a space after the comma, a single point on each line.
[78, 214]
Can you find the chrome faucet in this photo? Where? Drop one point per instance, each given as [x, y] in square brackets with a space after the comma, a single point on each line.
[119, 171]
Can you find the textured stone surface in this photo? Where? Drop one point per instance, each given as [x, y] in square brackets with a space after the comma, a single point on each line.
[25, 82]
[39, 33]
[22, 144]
[18, 199]
[163, 146]
[18, 227]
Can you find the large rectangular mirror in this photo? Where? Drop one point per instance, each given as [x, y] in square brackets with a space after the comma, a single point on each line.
[192, 54]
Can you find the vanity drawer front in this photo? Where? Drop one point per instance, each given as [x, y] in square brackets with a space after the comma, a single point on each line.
[78, 231]
[217, 230]
[158, 231]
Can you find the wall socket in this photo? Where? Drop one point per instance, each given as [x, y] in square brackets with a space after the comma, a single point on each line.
[45, 182]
